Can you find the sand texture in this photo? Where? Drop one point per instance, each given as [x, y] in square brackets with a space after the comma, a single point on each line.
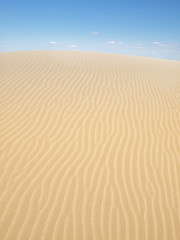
[89, 147]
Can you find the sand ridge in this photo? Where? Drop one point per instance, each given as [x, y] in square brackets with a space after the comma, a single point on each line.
[89, 146]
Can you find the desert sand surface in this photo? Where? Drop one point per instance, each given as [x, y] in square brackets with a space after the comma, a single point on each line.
[89, 146]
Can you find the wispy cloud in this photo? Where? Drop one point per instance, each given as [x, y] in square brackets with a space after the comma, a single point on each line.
[110, 42]
[4, 43]
[138, 46]
[160, 44]
[73, 46]
[114, 42]
[95, 33]
[53, 43]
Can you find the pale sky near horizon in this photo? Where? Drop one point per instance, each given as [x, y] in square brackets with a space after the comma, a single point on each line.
[136, 27]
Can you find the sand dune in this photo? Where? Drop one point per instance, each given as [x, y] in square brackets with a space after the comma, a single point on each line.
[89, 147]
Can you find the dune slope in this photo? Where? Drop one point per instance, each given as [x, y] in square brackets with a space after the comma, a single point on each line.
[89, 146]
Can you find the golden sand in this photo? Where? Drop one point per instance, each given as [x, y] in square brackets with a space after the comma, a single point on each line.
[89, 147]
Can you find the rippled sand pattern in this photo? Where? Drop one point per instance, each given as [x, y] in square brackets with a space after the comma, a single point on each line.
[89, 147]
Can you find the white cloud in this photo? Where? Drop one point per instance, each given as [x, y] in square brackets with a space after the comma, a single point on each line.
[95, 33]
[53, 43]
[160, 44]
[163, 45]
[3, 43]
[138, 46]
[110, 42]
[73, 46]
[113, 42]
[156, 43]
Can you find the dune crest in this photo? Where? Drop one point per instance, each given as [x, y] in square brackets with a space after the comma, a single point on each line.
[89, 146]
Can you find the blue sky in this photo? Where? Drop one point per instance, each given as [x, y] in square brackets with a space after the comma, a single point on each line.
[144, 28]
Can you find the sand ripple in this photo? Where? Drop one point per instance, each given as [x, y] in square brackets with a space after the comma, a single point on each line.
[89, 146]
